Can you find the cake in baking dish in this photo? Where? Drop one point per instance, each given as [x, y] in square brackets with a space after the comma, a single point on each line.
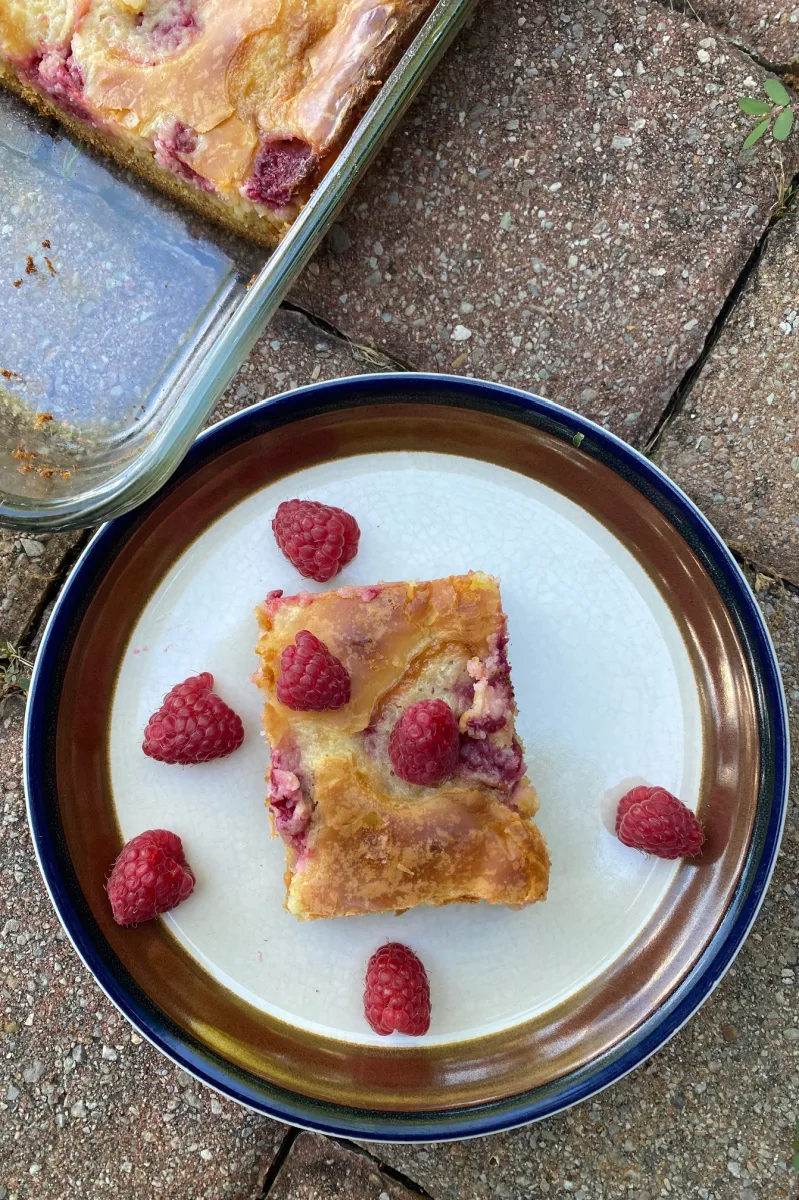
[358, 837]
[235, 106]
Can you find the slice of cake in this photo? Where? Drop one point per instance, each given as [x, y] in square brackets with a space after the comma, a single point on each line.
[397, 777]
[236, 107]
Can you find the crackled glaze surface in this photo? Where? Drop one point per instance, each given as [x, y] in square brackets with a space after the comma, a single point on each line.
[605, 692]
[243, 100]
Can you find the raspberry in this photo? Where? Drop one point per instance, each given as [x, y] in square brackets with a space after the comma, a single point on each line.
[424, 743]
[150, 876]
[311, 678]
[193, 724]
[396, 998]
[652, 820]
[317, 539]
[635, 796]
[281, 167]
[174, 140]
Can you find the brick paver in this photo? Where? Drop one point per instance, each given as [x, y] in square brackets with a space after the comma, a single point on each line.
[734, 446]
[564, 209]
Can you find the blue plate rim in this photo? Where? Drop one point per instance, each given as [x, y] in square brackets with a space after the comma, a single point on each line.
[718, 954]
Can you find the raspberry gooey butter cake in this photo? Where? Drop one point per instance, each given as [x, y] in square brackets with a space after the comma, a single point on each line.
[236, 107]
[397, 778]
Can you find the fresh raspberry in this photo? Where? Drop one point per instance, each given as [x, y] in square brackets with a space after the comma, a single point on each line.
[311, 678]
[635, 796]
[193, 725]
[150, 876]
[396, 998]
[316, 538]
[652, 820]
[424, 743]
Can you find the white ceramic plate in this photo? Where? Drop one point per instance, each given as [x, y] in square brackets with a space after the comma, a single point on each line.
[606, 696]
[638, 655]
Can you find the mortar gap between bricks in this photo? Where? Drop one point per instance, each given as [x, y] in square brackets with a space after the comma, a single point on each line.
[51, 592]
[684, 8]
[765, 64]
[768, 574]
[695, 13]
[390, 1172]
[276, 1165]
[370, 354]
[684, 388]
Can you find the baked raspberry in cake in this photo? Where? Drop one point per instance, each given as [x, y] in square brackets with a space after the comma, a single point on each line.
[428, 675]
[237, 107]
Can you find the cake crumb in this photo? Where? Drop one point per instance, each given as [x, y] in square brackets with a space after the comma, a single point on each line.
[65, 474]
[46, 472]
[17, 283]
[42, 420]
[9, 374]
[46, 244]
[23, 470]
[30, 266]
[22, 453]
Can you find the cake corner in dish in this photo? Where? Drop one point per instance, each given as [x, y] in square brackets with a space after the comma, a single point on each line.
[359, 838]
[234, 107]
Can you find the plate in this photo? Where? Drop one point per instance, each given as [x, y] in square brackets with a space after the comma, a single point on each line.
[638, 655]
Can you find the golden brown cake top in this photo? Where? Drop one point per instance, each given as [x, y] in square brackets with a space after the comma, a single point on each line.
[382, 634]
[219, 82]
[360, 838]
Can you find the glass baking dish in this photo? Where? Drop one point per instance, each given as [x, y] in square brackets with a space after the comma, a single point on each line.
[123, 317]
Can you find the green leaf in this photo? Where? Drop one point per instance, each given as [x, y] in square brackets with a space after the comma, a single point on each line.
[578, 439]
[755, 108]
[776, 92]
[783, 125]
[757, 133]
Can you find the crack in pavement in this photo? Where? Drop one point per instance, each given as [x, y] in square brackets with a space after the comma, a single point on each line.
[284, 1150]
[390, 1172]
[684, 388]
[367, 353]
[764, 578]
[276, 1165]
[686, 9]
[29, 640]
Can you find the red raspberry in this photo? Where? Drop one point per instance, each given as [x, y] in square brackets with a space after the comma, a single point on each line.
[316, 538]
[424, 743]
[635, 796]
[652, 820]
[150, 876]
[396, 998]
[311, 678]
[193, 724]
